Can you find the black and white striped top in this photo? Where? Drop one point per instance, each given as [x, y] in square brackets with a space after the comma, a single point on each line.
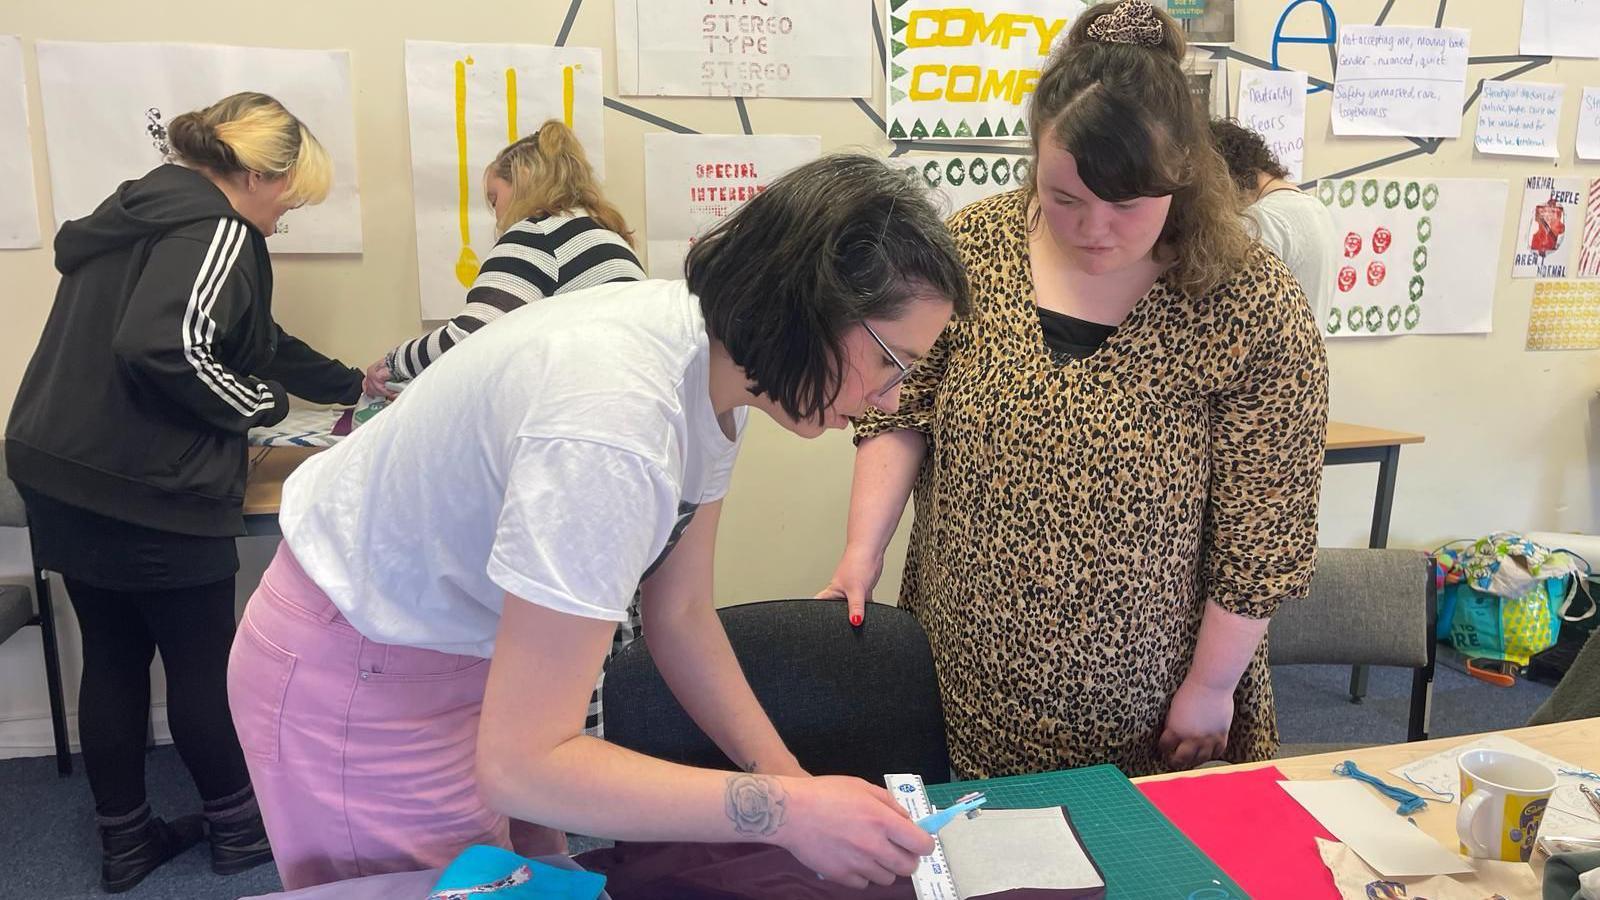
[535, 258]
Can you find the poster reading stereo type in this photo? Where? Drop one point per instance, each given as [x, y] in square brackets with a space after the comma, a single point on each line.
[771, 48]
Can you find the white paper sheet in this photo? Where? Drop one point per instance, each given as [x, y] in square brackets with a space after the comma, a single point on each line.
[1561, 28]
[106, 107]
[1400, 81]
[777, 48]
[1550, 225]
[1518, 118]
[1272, 103]
[1589, 124]
[19, 210]
[960, 70]
[1418, 255]
[1568, 813]
[693, 180]
[1012, 849]
[466, 103]
[1384, 840]
[958, 179]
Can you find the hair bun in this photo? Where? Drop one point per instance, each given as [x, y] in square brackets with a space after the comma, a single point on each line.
[1131, 22]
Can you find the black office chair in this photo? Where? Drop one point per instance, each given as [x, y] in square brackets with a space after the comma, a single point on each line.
[847, 701]
[1367, 607]
[17, 612]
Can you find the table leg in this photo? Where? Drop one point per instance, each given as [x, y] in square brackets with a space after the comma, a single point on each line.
[1378, 538]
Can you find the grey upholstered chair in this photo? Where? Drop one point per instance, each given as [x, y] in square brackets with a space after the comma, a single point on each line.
[1367, 607]
[847, 701]
[17, 612]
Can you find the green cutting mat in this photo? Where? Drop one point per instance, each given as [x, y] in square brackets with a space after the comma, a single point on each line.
[1143, 856]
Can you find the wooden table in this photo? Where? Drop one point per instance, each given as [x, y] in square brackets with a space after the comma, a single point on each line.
[1575, 742]
[1353, 444]
[263, 490]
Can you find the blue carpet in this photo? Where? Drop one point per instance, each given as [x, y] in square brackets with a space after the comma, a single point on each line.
[50, 849]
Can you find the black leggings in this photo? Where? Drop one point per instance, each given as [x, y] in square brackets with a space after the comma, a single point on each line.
[193, 629]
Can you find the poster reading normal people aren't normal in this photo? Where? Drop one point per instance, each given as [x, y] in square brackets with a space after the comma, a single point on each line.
[966, 70]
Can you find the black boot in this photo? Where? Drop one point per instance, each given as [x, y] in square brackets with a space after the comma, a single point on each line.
[238, 837]
[133, 846]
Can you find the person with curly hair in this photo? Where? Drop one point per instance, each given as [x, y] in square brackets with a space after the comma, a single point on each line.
[1291, 223]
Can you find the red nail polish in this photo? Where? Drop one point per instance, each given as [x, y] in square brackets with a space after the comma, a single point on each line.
[855, 619]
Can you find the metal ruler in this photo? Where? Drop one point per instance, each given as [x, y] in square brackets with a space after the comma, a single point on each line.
[932, 879]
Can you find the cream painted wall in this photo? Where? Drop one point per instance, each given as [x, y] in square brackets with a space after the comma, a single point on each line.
[1512, 436]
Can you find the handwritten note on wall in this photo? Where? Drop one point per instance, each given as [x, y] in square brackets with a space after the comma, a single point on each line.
[1272, 103]
[1561, 28]
[1589, 124]
[777, 48]
[1519, 119]
[1400, 81]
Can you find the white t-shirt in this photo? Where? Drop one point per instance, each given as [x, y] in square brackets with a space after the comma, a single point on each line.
[555, 456]
[1297, 227]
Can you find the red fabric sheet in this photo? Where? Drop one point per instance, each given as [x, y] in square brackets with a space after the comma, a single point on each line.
[1252, 829]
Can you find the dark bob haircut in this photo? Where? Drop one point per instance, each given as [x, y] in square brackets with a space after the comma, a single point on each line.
[833, 242]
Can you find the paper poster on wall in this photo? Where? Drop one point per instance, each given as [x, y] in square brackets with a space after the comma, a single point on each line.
[1203, 21]
[1517, 118]
[691, 181]
[1561, 28]
[1589, 253]
[1272, 103]
[1551, 208]
[1565, 316]
[966, 68]
[106, 108]
[962, 178]
[1400, 81]
[777, 48]
[19, 210]
[466, 103]
[1208, 82]
[1589, 124]
[1418, 255]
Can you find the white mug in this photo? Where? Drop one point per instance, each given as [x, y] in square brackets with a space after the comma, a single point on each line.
[1503, 797]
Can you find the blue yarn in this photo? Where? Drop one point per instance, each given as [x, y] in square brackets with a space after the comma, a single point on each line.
[1409, 802]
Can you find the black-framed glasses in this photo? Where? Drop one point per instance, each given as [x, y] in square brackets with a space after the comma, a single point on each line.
[903, 369]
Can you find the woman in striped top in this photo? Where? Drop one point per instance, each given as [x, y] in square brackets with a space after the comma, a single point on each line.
[557, 234]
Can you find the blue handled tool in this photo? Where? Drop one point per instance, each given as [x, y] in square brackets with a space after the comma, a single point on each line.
[966, 805]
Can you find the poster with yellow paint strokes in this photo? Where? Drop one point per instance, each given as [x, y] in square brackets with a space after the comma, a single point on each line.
[966, 69]
[467, 102]
[774, 48]
[107, 105]
[1565, 316]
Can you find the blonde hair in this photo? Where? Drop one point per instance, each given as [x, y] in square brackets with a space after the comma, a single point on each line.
[549, 174]
[1116, 97]
[252, 132]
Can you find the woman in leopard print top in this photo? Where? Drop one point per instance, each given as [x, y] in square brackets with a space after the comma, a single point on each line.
[1117, 459]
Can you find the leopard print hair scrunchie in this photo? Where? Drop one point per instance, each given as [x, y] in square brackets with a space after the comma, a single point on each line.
[1132, 22]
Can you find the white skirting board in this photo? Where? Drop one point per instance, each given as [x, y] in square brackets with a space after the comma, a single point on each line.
[27, 736]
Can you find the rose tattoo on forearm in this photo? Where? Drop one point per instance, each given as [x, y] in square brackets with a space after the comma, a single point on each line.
[756, 804]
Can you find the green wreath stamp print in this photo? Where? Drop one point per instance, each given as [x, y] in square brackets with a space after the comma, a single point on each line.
[1414, 289]
[955, 172]
[931, 174]
[1002, 172]
[1394, 317]
[1413, 194]
[1352, 318]
[1369, 192]
[1347, 193]
[1424, 228]
[979, 170]
[1325, 192]
[1335, 320]
[1374, 318]
[1430, 197]
[1391, 195]
[1413, 316]
[1419, 259]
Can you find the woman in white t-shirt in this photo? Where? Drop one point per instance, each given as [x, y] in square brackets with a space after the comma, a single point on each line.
[1289, 222]
[414, 670]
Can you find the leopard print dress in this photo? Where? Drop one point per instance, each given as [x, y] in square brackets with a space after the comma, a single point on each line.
[1074, 516]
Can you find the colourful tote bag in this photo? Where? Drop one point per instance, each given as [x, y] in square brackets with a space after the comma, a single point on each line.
[1504, 597]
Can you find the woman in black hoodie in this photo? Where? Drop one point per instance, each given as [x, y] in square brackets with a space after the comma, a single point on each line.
[127, 441]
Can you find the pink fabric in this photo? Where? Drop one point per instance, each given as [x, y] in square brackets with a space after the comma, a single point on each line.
[362, 754]
[1252, 829]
